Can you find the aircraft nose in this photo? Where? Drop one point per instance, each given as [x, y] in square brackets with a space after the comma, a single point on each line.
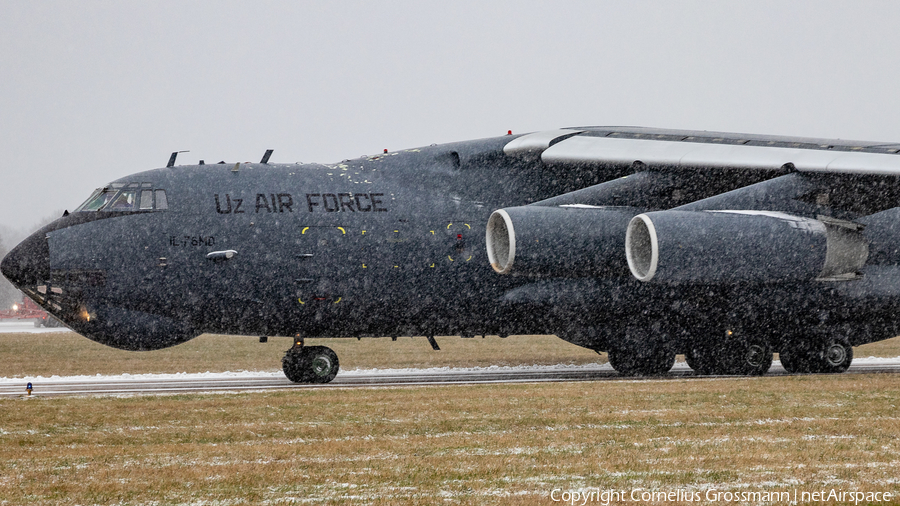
[28, 264]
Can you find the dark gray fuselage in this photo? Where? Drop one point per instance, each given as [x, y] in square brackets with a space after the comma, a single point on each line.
[395, 245]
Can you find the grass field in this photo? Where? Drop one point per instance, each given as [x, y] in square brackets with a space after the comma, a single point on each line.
[485, 444]
[510, 444]
[66, 353]
[69, 354]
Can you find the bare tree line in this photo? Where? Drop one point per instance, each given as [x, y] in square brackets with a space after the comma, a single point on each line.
[8, 293]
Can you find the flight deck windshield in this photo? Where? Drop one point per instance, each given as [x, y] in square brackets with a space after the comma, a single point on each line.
[100, 198]
[117, 197]
[124, 201]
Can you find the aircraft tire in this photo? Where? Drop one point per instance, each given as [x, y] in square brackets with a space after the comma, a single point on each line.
[292, 365]
[795, 359]
[702, 359]
[632, 362]
[748, 357]
[832, 356]
[311, 364]
[323, 364]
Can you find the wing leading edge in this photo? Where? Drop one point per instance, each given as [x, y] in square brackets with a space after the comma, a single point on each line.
[687, 150]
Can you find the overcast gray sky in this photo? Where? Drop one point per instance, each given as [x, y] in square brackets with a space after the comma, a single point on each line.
[91, 91]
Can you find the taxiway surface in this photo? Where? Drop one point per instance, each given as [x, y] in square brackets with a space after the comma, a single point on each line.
[236, 382]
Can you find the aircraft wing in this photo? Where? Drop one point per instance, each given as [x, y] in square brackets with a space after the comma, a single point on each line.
[697, 207]
[783, 242]
[670, 149]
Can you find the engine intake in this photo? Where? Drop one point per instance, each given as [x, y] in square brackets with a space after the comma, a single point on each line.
[748, 246]
[567, 241]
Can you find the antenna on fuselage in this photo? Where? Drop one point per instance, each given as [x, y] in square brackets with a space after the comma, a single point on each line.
[173, 157]
[265, 158]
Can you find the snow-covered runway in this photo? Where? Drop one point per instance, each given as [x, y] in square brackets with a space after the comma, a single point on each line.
[246, 380]
[26, 326]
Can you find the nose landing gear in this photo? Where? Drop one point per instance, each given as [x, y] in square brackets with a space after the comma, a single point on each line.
[310, 364]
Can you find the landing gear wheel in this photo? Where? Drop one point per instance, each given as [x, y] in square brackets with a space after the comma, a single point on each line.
[830, 355]
[795, 359]
[738, 353]
[323, 363]
[837, 357]
[293, 365]
[310, 364]
[702, 359]
[748, 356]
[650, 361]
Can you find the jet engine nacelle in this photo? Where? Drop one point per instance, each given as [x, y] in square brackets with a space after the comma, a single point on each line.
[741, 246]
[563, 241]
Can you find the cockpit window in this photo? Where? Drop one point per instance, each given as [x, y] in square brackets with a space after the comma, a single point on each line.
[124, 201]
[146, 200]
[118, 197]
[100, 198]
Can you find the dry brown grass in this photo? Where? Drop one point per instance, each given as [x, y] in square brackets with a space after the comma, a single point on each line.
[887, 348]
[67, 353]
[29, 355]
[454, 444]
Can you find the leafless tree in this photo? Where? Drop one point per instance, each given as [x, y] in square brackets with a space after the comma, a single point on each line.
[8, 293]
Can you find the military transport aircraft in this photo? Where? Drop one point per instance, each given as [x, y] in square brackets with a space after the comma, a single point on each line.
[643, 243]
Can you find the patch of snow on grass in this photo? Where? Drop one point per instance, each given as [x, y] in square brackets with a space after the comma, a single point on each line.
[355, 372]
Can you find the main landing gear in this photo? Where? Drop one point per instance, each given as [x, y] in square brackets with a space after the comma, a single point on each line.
[640, 354]
[745, 355]
[310, 364]
[831, 354]
[710, 350]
